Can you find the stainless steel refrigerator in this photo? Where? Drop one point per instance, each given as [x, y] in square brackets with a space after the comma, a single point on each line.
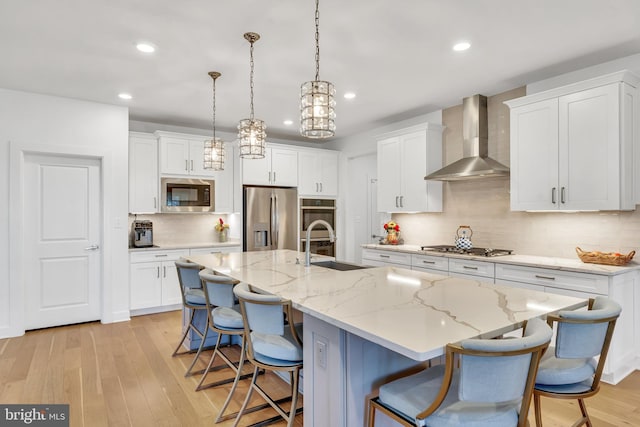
[270, 218]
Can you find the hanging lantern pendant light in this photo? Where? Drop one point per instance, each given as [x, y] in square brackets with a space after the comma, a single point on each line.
[317, 104]
[252, 132]
[214, 148]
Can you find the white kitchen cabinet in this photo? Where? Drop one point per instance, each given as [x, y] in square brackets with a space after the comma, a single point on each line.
[430, 264]
[182, 154]
[215, 250]
[318, 173]
[405, 157]
[622, 288]
[383, 258]
[143, 173]
[225, 182]
[572, 147]
[278, 167]
[472, 269]
[153, 281]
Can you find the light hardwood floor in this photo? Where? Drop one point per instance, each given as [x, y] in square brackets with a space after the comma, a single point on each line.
[122, 374]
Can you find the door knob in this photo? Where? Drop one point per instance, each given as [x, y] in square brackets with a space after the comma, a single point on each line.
[92, 248]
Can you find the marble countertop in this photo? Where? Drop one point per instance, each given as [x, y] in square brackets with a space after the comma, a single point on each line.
[410, 312]
[230, 242]
[553, 263]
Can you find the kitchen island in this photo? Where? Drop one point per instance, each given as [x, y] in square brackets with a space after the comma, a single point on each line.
[362, 326]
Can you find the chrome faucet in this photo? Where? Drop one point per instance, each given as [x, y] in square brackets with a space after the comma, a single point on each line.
[332, 238]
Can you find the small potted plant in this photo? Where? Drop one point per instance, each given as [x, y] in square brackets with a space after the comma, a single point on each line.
[223, 230]
[393, 233]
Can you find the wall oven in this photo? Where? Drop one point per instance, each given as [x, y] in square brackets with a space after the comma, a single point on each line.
[187, 195]
[311, 210]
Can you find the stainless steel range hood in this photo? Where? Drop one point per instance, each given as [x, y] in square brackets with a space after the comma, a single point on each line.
[476, 162]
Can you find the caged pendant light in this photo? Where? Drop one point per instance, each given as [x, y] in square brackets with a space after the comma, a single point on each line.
[317, 106]
[214, 148]
[251, 131]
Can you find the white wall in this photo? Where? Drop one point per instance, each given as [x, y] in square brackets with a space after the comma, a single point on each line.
[29, 119]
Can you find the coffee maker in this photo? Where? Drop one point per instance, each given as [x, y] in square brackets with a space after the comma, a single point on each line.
[141, 234]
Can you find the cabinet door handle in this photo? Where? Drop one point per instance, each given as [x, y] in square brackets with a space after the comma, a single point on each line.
[321, 187]
[562, 191]
[428, 262]
[274, 176]
[164, 271]
[191, 164]
[158, 272]
[397, 201]
[385, 256]
[545, 277]
[155, 203]
[469, 268]
[269, 176]
[317, 188]
[160, 256]
[186, 164]
[402, 201]
[553, 195]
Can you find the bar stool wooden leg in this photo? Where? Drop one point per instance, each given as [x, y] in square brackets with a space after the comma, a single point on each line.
[177, 352]
[197, 356]
[248, 398]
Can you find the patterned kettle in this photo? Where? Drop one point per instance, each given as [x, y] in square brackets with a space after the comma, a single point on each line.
[463, 237]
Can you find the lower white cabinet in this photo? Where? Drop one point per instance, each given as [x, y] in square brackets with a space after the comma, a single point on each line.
[215, 250]
[622, 288]
[153, 279]
[382, 258]
[471, 269]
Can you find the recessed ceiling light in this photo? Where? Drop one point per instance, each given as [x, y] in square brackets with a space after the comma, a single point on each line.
[460, 46]
[288, 122]
[349, 95]
[146, 47]
[125, 96]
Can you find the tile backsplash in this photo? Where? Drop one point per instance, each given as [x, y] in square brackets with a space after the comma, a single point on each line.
[484, 205]
[188, 229]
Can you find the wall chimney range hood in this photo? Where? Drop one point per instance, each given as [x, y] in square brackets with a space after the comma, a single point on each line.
[476, 162]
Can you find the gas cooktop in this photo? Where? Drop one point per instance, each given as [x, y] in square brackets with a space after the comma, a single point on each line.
[488, 252]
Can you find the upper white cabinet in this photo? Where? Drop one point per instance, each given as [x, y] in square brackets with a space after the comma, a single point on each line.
[143, 173]
[572, 147]
[225, 181]
[318, 172]
[278, 167]
[404, 158]
[182, 154]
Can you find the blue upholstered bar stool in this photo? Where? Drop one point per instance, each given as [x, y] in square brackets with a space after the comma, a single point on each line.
[225, 320]
[272, 345]
[492, 386]
[193, 299]
[573, 367]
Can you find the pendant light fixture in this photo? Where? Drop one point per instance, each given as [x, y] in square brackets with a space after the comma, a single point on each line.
[251, 131]
[317, 106]
[214, 148]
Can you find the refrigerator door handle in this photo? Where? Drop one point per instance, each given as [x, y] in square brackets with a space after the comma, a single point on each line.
[276, 221]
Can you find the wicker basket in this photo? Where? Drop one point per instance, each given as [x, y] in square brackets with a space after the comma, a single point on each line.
[608, 258]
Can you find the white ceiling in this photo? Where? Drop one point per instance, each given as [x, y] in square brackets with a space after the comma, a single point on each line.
[396, 56]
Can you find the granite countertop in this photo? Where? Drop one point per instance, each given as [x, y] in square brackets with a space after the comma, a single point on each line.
[230, 242]
[553, 263]
[410, 312]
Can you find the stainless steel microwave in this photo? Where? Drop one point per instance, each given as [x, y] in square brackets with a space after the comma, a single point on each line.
[187, 195]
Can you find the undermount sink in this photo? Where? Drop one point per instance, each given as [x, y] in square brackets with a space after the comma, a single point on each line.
[340, 266]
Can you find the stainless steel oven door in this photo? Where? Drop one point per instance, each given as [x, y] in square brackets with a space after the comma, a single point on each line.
[314, 209]
[320, 247]
[187, 195]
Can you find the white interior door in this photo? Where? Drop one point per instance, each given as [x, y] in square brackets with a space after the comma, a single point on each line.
[62, 254]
